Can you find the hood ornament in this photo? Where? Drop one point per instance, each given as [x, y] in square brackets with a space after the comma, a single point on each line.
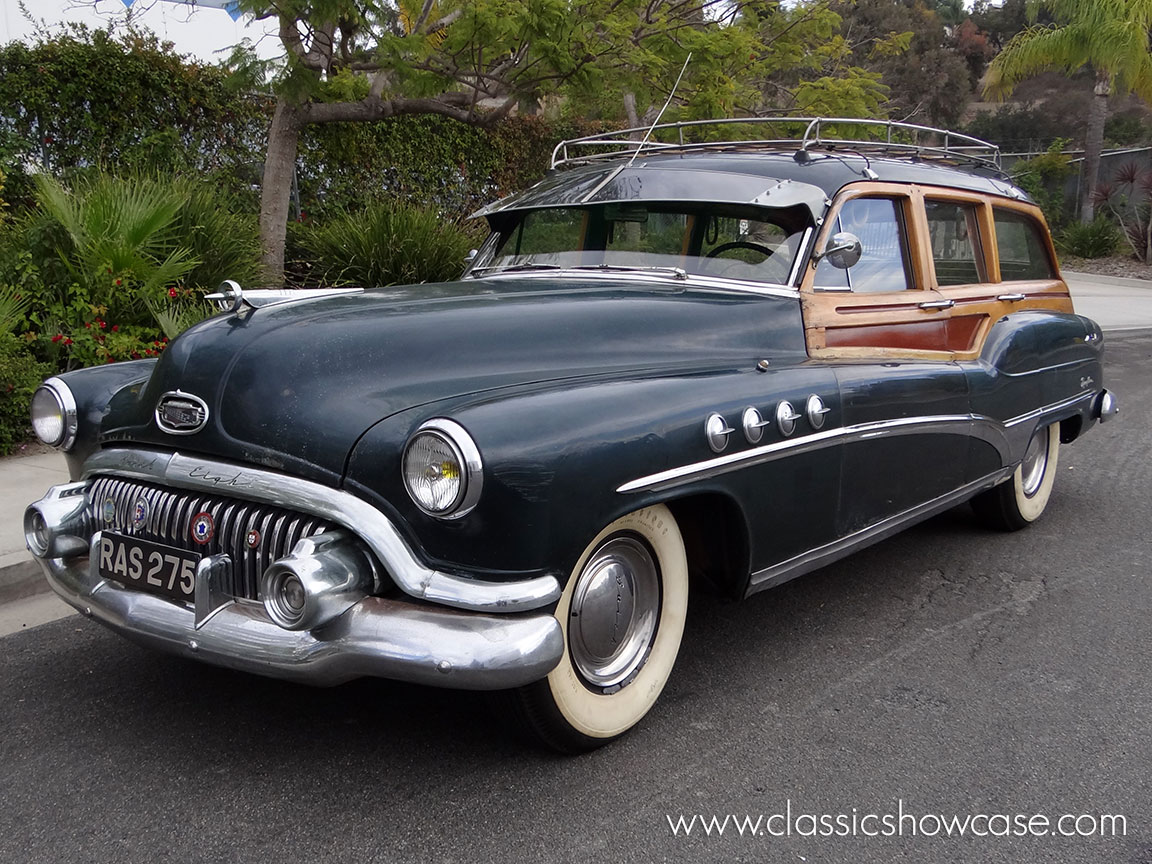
[179, 413]
[229, 297]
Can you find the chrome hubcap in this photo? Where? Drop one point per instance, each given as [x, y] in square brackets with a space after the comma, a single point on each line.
[614, 613]
[1035, 462]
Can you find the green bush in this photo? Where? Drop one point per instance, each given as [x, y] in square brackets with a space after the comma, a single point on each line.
[1096, 239]
[20, 375]
[386, 244]
[1043, 177]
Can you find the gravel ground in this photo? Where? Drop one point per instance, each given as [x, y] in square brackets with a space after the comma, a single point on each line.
[1123, 266]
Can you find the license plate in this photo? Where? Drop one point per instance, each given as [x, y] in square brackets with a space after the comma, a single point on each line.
[148, 566]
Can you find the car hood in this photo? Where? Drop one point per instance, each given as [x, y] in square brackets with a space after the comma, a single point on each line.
[294, 385]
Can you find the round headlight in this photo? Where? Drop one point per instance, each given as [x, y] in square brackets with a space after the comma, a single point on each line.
[442, 469]
[54, 414]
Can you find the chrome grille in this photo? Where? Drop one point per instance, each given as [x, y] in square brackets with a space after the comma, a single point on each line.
[169, 520]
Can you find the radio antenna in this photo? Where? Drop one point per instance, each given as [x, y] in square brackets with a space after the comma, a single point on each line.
[648, 134]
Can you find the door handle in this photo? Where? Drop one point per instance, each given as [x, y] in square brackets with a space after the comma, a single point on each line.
[938, 304]
[1011, 298]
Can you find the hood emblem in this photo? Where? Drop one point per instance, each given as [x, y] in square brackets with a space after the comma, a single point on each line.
[181, 413]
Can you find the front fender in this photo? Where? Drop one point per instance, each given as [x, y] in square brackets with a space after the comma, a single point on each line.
[94, 389]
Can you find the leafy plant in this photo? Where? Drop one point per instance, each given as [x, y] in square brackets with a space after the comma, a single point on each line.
[1043, 177]
[1096, 239]
[120, 254]
[387, 244]
[20, 375]
[1128, 198]
[13, 305]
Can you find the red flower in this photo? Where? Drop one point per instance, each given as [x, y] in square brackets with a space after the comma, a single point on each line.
[171, 292]
[115, 328]
[57, 337]
[117, 281]
[67, 341]
[109, 359]
[87, 325]
[102, 323]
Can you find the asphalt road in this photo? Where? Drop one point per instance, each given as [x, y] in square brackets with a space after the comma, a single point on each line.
[955, 670]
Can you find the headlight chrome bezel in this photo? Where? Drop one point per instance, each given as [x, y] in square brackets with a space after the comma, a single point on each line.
[66, 405]
[466, 453]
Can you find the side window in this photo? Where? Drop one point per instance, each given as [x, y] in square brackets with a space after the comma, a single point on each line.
[954, 232]
[883, 265]
[1022, 251]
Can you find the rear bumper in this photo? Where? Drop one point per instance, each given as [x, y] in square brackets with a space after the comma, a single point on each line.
[377, 637]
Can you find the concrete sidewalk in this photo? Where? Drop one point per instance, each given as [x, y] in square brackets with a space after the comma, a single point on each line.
[23, 479]
[1116, 304]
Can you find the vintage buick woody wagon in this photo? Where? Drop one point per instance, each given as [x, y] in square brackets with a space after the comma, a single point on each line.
[671, 364]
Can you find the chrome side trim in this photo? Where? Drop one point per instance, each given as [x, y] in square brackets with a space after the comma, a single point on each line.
[377, 637]
[372, 526]
[805, 562]
[1009, 437]
[817, 441]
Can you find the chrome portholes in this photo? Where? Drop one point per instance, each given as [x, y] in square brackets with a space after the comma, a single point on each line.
[753, 423]
[614, 613]
[786, 418]
[1035, 463]
[717, 431]
[815, 410]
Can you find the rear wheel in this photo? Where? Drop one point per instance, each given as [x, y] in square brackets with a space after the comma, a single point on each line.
[622, 613]
[1018, 502]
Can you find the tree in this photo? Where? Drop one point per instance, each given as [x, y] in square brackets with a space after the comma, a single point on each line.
[471, 60]
[1109, 36]
[905, 42]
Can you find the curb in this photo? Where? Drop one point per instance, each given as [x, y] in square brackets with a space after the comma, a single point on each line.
[20, 580]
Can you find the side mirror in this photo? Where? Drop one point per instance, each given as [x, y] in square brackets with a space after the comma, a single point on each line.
[843, 250]
[471, 256]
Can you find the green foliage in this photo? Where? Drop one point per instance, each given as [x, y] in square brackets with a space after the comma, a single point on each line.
[1111, 36]
[1020, 128]
[1128, 197]
[1096, 239]
[84, 98]
[1126, 130]
[387, 244]
[13, 305]
[20, 375]
[1043, 177]
[121, 255]
[905, 43]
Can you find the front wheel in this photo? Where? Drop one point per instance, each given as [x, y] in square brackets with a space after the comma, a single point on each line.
[1018, 502]
[622, 613]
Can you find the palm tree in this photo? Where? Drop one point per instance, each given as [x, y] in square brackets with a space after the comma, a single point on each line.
[1109, 36]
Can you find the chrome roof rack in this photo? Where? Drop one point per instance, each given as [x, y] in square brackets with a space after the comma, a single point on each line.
[888, 137]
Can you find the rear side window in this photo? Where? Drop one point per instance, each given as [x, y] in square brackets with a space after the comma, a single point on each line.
[1022, 250]
[954, 233]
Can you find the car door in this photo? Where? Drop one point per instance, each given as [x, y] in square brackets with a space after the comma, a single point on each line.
[887, 335]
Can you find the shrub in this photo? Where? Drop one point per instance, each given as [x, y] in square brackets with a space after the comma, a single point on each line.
[1043, 177]
[386, 244]
[20, 375]
[1096, 239]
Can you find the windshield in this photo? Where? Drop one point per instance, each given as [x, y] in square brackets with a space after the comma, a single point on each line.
[732, 242]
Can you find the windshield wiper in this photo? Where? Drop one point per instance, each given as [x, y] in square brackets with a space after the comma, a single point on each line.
[674, 272]
[512, 268]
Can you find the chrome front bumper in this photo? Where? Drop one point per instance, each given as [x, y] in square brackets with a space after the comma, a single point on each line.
[377, 637]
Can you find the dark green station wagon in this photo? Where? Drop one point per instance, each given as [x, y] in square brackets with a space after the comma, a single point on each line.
[672, 365]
